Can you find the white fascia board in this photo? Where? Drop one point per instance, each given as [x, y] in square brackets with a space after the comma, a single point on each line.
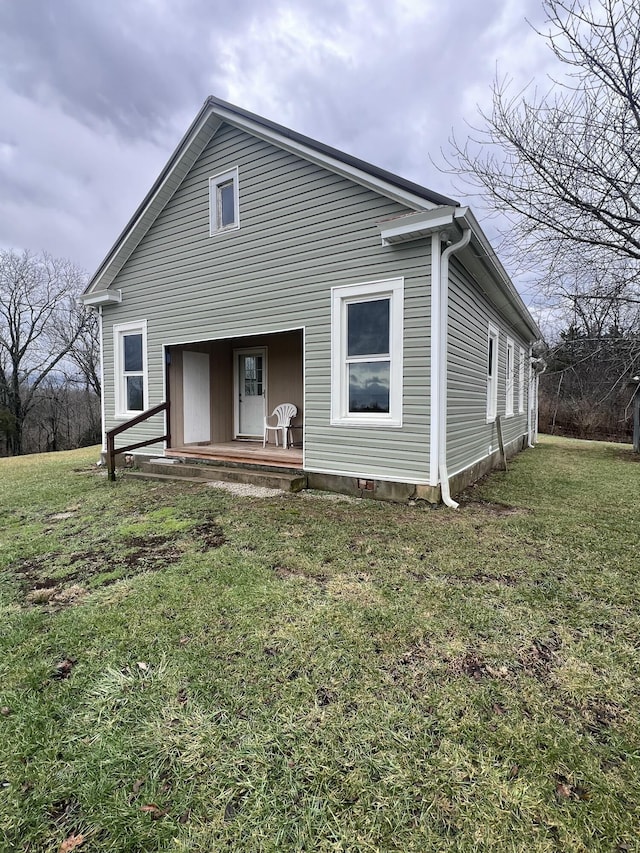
[415, 225]
[294, 147]
[102, 297]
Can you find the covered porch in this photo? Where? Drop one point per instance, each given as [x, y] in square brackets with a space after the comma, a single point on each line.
[221, 390]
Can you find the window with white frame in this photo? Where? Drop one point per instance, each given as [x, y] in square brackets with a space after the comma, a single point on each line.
[224, 211]
[366, 353]
[521, 382]
[130, 361]
[492, 373]
[509, 375]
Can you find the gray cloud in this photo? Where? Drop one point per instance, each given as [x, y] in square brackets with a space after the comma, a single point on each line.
[96, 94]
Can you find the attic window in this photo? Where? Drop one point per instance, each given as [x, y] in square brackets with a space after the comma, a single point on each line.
[224, 213]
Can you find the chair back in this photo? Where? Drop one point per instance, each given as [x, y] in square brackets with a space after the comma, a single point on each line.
[284, 412]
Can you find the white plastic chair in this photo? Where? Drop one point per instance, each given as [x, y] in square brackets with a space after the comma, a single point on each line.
[284, 413]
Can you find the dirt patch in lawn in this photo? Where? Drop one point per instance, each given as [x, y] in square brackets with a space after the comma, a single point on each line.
[58, 579]
[290, 572]
[540, 658]
[208, 535]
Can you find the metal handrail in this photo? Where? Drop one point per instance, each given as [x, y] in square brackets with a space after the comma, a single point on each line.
[143, 416]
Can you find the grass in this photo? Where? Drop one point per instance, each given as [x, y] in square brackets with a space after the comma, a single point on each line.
[186, 670]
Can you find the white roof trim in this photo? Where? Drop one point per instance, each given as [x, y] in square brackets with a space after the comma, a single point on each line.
[154, 203]
[415, 225]
[203, 128]
[319, 158]
[102, 297]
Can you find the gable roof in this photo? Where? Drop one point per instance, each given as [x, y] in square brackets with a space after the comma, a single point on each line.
[209, 119]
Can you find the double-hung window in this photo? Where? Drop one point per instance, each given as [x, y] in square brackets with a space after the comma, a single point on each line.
[366, 341]
[130, 358]
[492, 373]
[509, 377]
[224, 212]
[521, 382]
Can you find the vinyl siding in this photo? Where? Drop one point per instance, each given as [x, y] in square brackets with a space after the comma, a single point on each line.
[302, 231]
[469, 437]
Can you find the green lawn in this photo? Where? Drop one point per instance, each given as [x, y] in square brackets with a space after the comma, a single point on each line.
[186, 670]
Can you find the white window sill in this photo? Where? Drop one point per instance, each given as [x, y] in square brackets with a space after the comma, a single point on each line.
[366, 422]
[229, 229]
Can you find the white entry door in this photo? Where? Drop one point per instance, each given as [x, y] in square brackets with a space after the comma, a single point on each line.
[250, 392]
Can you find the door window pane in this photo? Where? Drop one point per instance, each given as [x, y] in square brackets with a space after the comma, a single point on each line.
[135, 396]
[369, 386]
[368, 327]
[252, 369]
[132, 353]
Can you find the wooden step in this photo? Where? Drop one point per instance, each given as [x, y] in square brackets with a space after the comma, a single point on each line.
[287, 481]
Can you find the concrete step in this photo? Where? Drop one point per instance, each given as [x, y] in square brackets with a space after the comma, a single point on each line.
[287, 481]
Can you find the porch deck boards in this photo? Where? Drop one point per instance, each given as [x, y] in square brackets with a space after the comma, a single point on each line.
[241, 452]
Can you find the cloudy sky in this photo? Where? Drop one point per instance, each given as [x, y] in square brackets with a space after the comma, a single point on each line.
[96, 94]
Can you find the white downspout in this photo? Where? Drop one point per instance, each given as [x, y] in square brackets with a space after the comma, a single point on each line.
[530, 402]
[103, 408]
[442, 371]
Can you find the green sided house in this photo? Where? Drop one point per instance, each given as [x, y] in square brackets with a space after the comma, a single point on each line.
[265, 268]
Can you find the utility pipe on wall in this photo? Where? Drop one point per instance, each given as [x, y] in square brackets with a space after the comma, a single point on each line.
[442, 372]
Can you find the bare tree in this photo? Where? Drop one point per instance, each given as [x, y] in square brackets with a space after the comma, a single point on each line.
[84, 350]
[39, 326]
[563, 168]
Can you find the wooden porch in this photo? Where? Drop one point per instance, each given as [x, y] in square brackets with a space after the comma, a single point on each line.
[240, 453]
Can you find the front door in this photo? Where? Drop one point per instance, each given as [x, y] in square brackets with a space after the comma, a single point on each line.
[250, 392]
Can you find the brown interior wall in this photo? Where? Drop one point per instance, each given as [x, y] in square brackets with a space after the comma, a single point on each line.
[175, 397]
[284, 371]
[221, 391]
